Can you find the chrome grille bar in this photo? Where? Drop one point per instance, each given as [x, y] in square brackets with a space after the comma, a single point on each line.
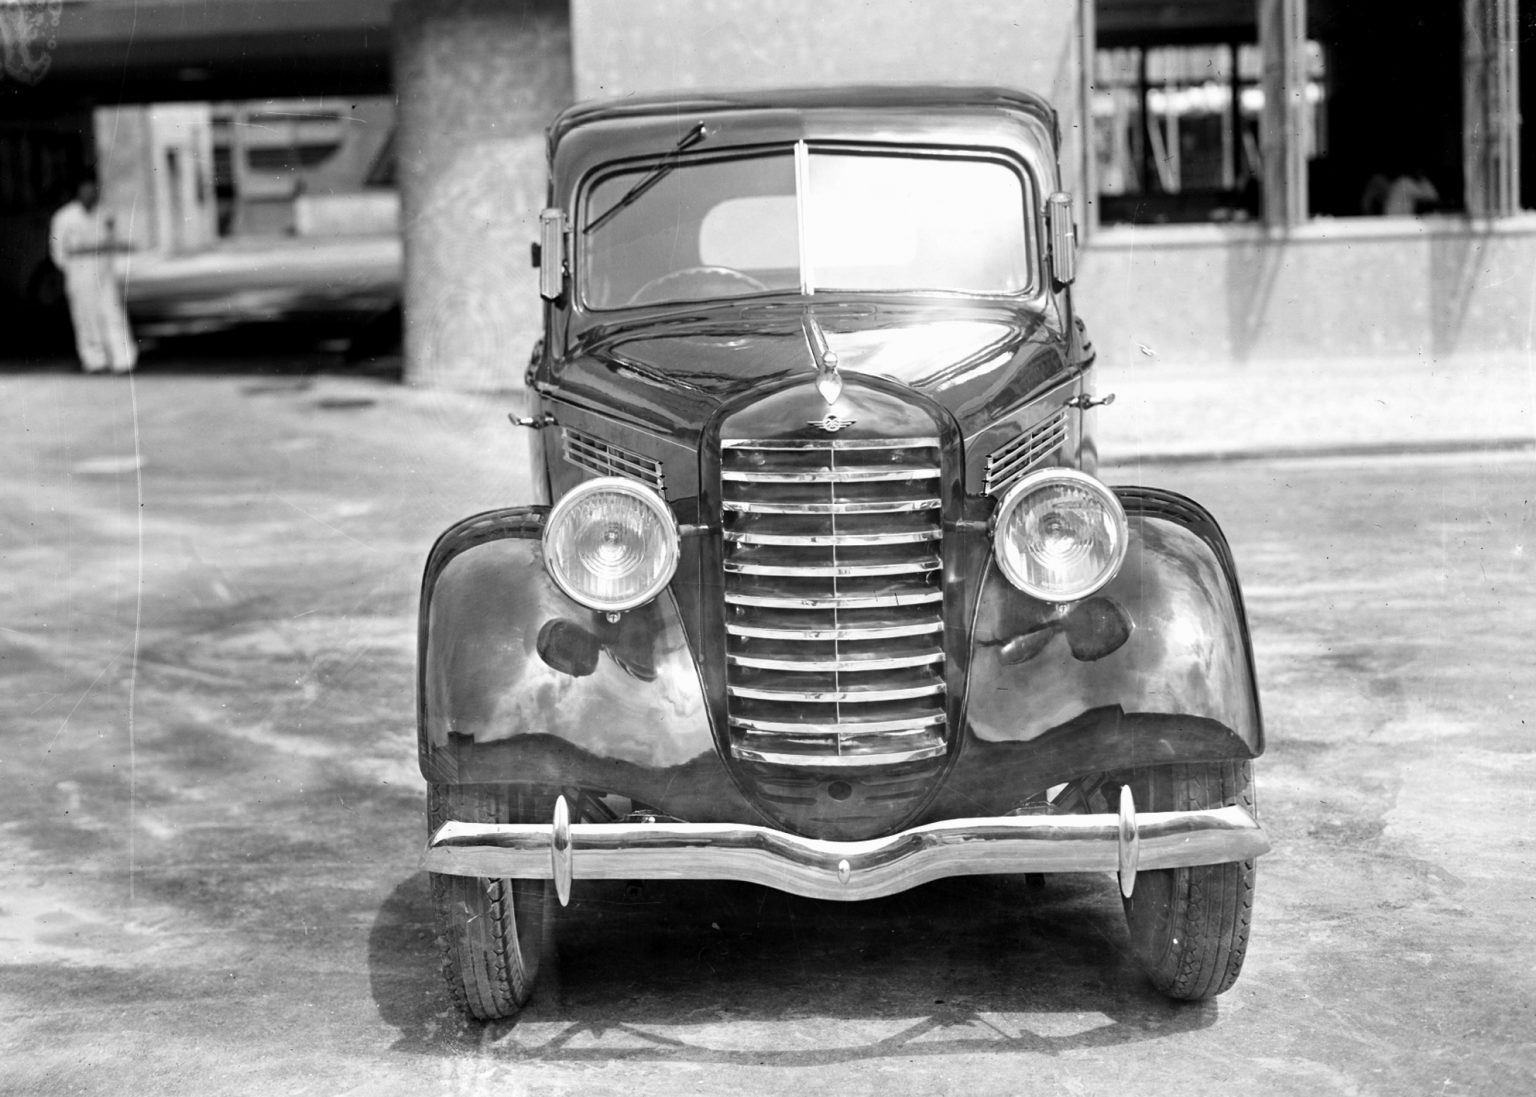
[815, 733]
[832, 445]
[834, 539]
[835, 601]
[832, 475]
[842, 571]
[883, 506]
[813, 665]
[885, 632]
[823, 697]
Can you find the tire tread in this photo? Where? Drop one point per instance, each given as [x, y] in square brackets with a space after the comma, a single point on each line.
[1194, 948]
[489, 930]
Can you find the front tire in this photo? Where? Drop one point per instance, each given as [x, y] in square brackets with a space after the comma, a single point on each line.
[491, 931]
[1189, 926]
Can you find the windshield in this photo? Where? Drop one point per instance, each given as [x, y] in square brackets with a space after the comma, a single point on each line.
[802, 219]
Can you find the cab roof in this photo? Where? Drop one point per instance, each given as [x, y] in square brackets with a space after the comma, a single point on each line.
[919, 102]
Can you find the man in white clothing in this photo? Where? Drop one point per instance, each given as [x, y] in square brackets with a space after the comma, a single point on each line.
[83, 246]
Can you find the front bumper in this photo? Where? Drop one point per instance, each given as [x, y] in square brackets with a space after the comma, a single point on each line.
[1123, 843]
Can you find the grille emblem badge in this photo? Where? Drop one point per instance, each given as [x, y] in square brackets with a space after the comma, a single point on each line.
[832, 424]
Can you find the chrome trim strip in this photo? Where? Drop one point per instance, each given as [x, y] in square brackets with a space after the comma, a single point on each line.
[829, 443]
[883, 506]
[1054, 424]
[1020, 454]
[875, 867]
[592, 453]
[1036, 441]
[836, 601]
[840, 571]
[838, 696]
[599, 453]
[1000, 480]
[891, 662]
[882, 632]
[1032, 445]
[906, 537]
[828, 475]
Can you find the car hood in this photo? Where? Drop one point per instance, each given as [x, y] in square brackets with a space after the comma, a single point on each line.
[671, 374]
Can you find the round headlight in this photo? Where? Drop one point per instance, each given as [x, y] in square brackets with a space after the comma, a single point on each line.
[611, 544]
[1059, 535]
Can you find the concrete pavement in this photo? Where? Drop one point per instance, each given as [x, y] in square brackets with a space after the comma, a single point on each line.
[1187, 410]
[212, 810]
[1190, 411]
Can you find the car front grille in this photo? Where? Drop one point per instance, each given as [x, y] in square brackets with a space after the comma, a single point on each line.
[833, 600]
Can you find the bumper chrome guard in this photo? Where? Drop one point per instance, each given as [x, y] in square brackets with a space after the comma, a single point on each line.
[1123, 843]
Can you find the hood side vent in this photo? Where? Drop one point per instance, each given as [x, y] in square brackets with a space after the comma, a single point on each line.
[589, 452]
[1010, 461]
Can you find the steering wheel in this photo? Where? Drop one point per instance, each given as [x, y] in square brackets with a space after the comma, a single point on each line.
[696, 283]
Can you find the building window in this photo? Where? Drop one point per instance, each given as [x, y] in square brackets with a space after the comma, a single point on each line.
[1394, 107]
[1176, 131]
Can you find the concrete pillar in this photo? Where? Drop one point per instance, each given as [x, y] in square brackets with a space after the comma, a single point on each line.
[239, 168]
[1491, 107]
[477, 82]
[126, 167]
[1287, 115]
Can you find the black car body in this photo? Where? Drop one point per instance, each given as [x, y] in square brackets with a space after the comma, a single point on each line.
[820, 589]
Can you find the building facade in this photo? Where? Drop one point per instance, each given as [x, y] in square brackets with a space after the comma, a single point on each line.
[1256, 178]
[1284, 178]
[1233, 158]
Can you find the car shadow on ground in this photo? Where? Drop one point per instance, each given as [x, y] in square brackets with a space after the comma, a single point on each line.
[725, 973]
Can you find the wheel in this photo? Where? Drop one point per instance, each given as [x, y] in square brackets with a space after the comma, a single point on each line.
[1189, 926]
[696, 283]
[491, 931]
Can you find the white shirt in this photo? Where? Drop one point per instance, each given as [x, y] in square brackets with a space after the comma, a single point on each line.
[79, 238]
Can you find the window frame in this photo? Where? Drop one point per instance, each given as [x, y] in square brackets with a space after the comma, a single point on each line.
[1031, 196]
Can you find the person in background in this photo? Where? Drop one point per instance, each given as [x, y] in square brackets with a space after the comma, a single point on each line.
[83, 244]
[1410, 195]
[1404, 194]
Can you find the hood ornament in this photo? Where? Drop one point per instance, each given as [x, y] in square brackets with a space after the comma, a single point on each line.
[828, 381]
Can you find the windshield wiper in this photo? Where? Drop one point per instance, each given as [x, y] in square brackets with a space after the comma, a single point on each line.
[654, 176]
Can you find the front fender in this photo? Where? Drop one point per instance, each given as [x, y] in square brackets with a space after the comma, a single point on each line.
[517, 683]
[1156, 667]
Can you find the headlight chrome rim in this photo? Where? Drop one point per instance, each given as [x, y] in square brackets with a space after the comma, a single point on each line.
[1020, 493]
[561, 513]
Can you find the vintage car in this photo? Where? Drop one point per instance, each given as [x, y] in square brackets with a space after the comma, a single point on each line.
[819, 589]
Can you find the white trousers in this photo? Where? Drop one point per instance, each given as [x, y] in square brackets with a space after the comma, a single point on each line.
[102, 337]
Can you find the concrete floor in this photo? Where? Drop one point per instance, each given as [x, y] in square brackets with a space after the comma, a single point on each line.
[212, 814]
